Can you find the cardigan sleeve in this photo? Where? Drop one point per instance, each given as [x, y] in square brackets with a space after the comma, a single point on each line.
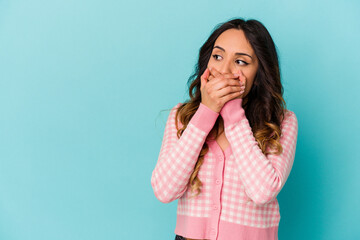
[178, 156]
[262, 176]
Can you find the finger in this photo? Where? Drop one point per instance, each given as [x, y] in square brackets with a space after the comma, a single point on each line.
[234, 82]
[231, 96]
[230, 75]
[225, 76]
[205, 74]
[222, 85]
[219, 83]
[230, 90]
[210, 78]
[204, 77]
[215, 72]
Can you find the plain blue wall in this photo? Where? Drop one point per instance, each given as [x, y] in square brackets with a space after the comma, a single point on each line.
[82, 84]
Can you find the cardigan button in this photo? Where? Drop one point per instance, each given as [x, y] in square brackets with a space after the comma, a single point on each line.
[215, 207]
[217, 181]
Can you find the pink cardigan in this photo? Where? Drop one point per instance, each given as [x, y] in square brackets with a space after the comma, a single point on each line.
[240, 185]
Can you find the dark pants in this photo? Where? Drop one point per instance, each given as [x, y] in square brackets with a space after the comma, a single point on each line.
[178, 237]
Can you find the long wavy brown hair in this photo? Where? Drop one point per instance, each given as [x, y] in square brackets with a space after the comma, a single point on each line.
[264, 105]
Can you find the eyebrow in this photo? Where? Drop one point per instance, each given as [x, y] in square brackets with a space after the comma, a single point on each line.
[235, 53]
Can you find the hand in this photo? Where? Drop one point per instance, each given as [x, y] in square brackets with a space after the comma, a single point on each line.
[217, 89]
[242, 79]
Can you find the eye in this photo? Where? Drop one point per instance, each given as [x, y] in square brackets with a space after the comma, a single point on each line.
[245, 63]
[214, 56]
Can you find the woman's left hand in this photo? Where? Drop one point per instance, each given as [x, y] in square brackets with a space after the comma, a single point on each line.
[241, 77]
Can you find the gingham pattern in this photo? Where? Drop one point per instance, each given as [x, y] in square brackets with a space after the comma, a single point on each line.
[177, 160]
[238, 207]
[262, 177]
[251, 181]
[199, 206]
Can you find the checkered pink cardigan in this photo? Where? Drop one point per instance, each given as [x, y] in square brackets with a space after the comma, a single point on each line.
[240, 184]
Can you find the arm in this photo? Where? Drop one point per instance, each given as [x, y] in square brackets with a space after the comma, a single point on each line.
[263, 177]
[178, 157]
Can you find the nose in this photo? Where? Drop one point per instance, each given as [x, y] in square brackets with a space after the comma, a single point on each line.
[225, 67]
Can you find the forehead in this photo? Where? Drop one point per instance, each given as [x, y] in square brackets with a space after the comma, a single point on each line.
[234, 40]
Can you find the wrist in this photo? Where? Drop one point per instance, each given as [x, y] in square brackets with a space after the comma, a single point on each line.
[232, 111]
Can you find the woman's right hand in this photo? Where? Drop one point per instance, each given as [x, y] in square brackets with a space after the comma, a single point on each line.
[220, 89]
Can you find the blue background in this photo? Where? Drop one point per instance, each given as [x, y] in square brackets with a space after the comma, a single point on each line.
[82, 86]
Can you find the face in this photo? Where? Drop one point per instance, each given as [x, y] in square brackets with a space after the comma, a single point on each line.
[231, 53]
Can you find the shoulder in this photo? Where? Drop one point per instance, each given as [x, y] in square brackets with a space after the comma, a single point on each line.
[289, 114]
[173, 111]
[175, 108]
[178, 105]
[290, 119]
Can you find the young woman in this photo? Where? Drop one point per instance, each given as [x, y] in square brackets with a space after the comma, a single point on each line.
[228, 151]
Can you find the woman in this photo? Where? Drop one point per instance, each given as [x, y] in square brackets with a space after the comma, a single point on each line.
[232, 144]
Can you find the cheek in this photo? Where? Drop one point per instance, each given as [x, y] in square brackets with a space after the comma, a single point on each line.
[248, 79]
[249, 85]
[211, 63]
[250, 76]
